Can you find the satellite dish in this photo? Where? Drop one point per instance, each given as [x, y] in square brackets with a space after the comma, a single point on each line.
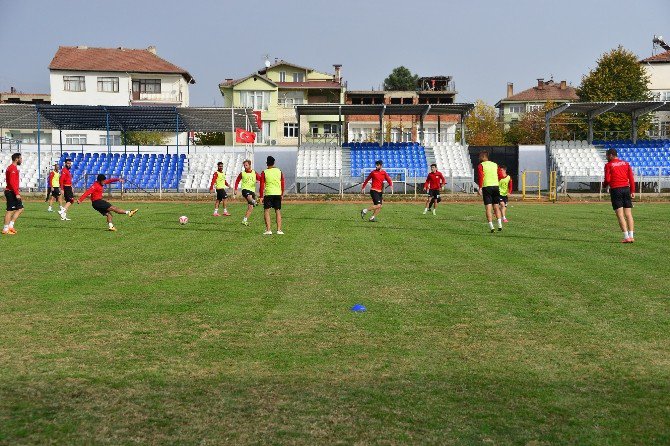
[267, 63]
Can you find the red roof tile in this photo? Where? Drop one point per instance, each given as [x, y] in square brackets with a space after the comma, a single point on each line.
[662, 57]
[550, 91]
[113, 59]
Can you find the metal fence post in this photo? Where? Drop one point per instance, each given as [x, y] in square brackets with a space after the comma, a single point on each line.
[160, 185]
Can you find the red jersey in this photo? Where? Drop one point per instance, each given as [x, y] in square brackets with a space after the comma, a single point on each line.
[65, 177]
[96, 190]
[12, 178]
[378, 177]
[239, 178]
[434, 181]
[618, 173]
[480, 172]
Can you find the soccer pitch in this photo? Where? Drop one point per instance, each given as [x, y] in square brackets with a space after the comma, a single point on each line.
[551, 332]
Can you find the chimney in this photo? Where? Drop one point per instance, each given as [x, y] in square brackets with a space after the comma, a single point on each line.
[229, 80]
[82, 47]
[540, 84]
[12, 89]
[510, 89]
[152, 49]
[564, 85]
[338, 72]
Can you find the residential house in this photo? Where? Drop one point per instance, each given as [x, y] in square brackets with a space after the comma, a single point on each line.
[658, 69]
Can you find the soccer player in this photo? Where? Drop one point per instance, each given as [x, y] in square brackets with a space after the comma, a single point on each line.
[12, 195]
[248, 177]
[619, 178]
[378, 176]
[271, 192]
[95, 191]
[219, 181]
[54, 187]
[66, 187]
[489, 177]
[432, 186]
[506, 187]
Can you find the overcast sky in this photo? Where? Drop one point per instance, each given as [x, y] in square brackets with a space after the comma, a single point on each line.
[483, 44]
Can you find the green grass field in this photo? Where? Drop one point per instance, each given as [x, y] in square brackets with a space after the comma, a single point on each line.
[551, 332]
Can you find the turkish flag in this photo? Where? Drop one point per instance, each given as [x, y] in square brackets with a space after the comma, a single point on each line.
[259, 121]
[244, 136]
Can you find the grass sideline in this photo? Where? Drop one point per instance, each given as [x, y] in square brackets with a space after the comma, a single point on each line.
[210, 333]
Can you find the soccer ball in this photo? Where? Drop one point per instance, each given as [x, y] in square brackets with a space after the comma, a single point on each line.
[183, 220]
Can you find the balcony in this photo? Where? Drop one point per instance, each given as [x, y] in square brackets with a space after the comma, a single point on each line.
[140, 98]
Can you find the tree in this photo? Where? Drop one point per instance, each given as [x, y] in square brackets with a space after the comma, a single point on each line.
[210, 138]
[482, 127]
[401, 79]
[530, 128]
[618, 76]
[144, 138]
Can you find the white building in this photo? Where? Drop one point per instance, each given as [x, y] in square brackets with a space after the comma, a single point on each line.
[658, 69]
[114, 76]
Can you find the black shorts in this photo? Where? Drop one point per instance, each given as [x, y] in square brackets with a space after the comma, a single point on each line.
[55, 192]
[377, 197]
[503, 199]
[247, 192]
[272, 202]
[621, 198]
[13, 203]
[68, 194]
[101, 206]
[491, 195]
[434, 193]
[221, 194]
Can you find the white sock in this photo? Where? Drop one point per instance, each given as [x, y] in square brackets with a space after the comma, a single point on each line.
[225, 210]
[499, 223]
[425, 210]
[244, 219]
[49, 208]
[365, 211]
[4, 228]
[372, 218]
[111, 225]
[490, 225]
[216, 210]
[127, 212]
[630, 234]
[11, 224]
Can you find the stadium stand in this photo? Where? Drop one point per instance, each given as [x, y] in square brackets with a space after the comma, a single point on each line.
[319, 161]
[201, 167]
[578, 159]
[452, 159]
[647, 157]
[29, 178]
[405, 155]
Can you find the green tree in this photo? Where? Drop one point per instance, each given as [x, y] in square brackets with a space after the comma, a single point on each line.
[144, 138]
[210, 138]
[618, 76]
[482, 127]
[401, 79]
[530, 128]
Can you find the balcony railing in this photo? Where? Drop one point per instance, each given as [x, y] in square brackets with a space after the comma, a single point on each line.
[156, 97]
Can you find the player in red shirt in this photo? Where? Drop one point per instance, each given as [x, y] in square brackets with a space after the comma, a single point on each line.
[12, 195]
[619, 178]
[378, 176]
[66, 187]
[95, 191]
[432, 186]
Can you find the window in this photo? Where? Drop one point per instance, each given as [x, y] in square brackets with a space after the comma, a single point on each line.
[298, 77]
[330, 129]
[257, 100]
[282, 76]
[315, 129]
[149, 85]
[664, 96]
[74, 83]
[290, 130]
[534, 107]
[291, 98]
[114, 140]
[108, 84]
[515, 108]
[75, 139]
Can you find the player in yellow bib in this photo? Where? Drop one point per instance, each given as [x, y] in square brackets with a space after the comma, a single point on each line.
[54, 188]
[248, 177]
[489, 177]
[219, 181]
[271, 192]
[506, 187]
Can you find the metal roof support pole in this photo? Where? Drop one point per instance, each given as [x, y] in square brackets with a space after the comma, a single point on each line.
[177, 119]
[232, 124]
[381, 126]
[547, 130]
[642, 111]
[422, 130]
[462, 129]
[439, 129]
[299, 132]
[109, 148]
[188, 144]
[60, 140]
[39, 147]
[592, 114]
[633, 130]
[339, 126]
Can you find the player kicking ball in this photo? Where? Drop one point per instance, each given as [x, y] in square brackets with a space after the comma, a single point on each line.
[378, 176]
[100, 205]
[432, 186]
[489, 177]
[219, 181]
[619, 178]
[248, 177]
[506, 187]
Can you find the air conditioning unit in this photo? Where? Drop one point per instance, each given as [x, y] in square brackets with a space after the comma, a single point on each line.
[273, 142]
